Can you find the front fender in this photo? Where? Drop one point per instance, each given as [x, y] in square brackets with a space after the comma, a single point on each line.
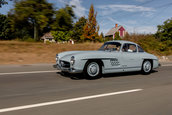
[79, 64]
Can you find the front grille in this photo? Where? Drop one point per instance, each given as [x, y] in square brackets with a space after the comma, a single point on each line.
[64, 64]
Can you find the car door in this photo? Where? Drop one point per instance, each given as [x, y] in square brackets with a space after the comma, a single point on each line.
[131, 58]
[113, 60]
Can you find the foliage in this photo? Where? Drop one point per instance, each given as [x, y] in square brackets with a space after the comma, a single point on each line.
[117, 37]
[91, 27]
[61, 35]
[28, 39]
[78, 28]
[108, 38]
[33, 14]
[164, 35]
[64, 19]
[164, 32]
[3, 2]
[101, 37]
[5, 29]
[150, 43]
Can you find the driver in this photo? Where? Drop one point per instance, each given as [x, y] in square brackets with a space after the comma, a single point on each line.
[118, 48]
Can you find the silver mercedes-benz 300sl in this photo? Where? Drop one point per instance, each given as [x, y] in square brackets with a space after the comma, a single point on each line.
[114, 56]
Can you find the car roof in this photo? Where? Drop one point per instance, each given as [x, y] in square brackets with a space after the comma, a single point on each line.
[122, 41]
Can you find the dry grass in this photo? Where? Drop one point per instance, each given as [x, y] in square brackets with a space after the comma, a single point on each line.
[16, 52]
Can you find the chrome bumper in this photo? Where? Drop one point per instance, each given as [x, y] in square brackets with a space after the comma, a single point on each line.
[69, 70]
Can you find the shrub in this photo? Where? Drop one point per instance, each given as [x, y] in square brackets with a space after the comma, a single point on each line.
[61, 35]
[151, 44]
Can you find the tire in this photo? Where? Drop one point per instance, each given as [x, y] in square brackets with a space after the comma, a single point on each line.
[146, 67]
[64, 73]
[93, 70]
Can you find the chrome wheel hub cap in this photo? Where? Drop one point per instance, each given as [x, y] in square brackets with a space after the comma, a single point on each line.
[93, 69]
[147, 66]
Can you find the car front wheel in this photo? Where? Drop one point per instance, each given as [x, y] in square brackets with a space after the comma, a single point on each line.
[93, 70]
[146, 67]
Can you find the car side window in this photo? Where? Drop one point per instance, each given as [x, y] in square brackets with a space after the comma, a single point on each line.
[140, 49]
[111, 46]
[129, 48]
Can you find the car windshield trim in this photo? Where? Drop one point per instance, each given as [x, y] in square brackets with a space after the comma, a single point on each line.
[115, 46]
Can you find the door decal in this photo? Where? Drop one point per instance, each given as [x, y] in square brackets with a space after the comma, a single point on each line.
[114, 62]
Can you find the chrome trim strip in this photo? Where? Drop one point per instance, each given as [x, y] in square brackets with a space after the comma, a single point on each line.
[122, 68]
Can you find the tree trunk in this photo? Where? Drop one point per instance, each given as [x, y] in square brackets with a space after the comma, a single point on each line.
[36, 32]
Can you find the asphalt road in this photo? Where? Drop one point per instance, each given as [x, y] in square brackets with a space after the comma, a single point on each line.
[40, 90]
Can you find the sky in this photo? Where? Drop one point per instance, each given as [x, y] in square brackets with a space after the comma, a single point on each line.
[136, 16]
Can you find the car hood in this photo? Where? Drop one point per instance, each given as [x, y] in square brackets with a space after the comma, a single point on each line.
[84, 55]
[69, 53]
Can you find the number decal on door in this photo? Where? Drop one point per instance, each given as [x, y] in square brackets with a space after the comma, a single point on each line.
[114, 62]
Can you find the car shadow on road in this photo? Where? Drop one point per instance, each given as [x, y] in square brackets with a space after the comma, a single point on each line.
[82, 77]
[72, 76]
[125, 74]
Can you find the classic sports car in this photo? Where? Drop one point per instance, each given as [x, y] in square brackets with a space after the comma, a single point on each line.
[114, 56]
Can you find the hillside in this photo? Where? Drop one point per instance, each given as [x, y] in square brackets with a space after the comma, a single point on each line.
[16, 52]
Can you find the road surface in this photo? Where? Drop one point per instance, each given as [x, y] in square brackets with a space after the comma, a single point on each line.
[42, 90]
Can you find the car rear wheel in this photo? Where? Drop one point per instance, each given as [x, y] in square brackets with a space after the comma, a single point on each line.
[93, 70]
[146, 67]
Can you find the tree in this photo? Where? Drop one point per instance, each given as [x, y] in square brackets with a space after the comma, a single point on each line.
[36, 14]
[5, 29]
[21, 29]
[164, 31]
[3, 2]
[101, 37]
[61, 35]
[91, 27]
[117, 37]
[64, 19]
[78, 28]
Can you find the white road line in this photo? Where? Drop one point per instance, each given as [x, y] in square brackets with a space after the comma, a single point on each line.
[28, 72]
[66, 100]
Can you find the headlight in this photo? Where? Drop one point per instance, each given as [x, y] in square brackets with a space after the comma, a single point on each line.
[57, 58]
[72, 60]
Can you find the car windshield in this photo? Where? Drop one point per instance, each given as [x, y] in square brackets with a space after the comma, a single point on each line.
[111, 46]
